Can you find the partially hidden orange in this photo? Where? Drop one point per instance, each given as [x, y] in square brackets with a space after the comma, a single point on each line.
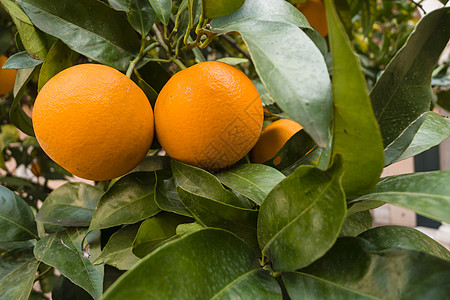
[93, 121]
[315, 13]
[209, 115]
[7, 77]
[272, 139]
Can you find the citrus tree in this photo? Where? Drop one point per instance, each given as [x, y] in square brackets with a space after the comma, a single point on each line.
[198, 212]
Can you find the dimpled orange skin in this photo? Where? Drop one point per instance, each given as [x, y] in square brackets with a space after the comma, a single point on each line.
[7, 77]
[209, 115]
[314, 11]
[272, 139]
[93, 121]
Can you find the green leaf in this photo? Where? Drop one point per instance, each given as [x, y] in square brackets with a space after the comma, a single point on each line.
[251, 180]
[356, 135]
[405, 238]
[8, 134]
[357, 223]
[166, 196]
[156, 230]
[58, 58]
[233, 61]
[17, 271]
[163, 9]
[212, 213]
[393, 273]
[140, 13]
[208, 263]
[202, 183]
[304, 286]
[64, 289]
[16, 218]
[118, 251]
[21, 60]
[288, 63]
[6, 38]
[74, 23]
[310, 204]
[367, 10]
[405, 84]
[62, 251]
[218, 8]
[72, 204]
[33, 40]
[128, 200]
[425, 193]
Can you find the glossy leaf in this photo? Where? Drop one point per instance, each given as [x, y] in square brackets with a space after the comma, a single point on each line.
[425, 193]
[17, 115]
[356, 135]
[21, 60]
[304, 286]
[118, 251]
[72, 204]
[166, 196]
[392, 273]
[156, 230]
[288, 63]
[16, 218]
[405, 84]
[207, 264]
[62, 251]
[128, 201]
[58, 58]
[140, 13]
[202, 183]
[162, 8]
[251, 180]
[33, 40]
[405, 238]
[218, 8]
[73, 23]
[356, 223]
[310, 204]
[17, 271]
[212, 213]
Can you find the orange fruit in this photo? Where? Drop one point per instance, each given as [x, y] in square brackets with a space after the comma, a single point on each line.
[314, 11]
[7, 77]
[272, 139]
[209, 115]
[93, 121]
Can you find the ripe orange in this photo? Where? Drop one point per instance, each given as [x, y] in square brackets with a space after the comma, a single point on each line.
[272, 139]
[314, 11]
[7, 77]
[209, 115]
[93, 121]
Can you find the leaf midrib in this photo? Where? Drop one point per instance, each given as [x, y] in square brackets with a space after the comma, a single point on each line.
[20, 226]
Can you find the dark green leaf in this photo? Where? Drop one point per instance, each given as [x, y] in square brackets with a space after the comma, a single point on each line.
[8, 246]
[206, 264]
[17, 271]
[304, 286]
[162, 8]
[310, 204]
[405, 84]
[286, 60]
[218, 8]
[251, 180]
[356, 223]
[139, 12]
[405, 238]
[72, 204]
[156, 230]
[118, 251]
[64, 289]
[356, 135]
[58, 58]
[212, 213]
[6, 38]
[153, 163]
[202, 183]
[62, 251]
[8, 134]
[81, 26]
[425, 193]
[393, 273]
[21, 60]
[129, 200]
[166, 196]
[16, 218]
[16, 113]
